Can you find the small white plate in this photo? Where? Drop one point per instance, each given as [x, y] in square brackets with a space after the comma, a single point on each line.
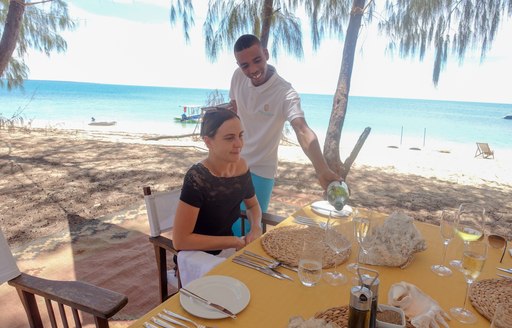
[323, 207]
[229, 292]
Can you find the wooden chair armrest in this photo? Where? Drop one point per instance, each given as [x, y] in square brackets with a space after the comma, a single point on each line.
[271, 219]
[80, 295]
[266, 219]
[164, 242]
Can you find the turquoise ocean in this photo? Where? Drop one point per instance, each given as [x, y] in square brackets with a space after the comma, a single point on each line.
[142, 109]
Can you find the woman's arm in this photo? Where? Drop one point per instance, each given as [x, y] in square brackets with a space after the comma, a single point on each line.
[253, 212]
[184, 238]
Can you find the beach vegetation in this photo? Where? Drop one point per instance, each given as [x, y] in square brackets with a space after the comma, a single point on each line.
[412, 26]
[28, 25]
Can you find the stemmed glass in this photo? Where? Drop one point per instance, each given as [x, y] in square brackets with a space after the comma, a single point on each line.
[447, 226]
[335, 237]
[469, 225]
[473, 260]
[362, 233]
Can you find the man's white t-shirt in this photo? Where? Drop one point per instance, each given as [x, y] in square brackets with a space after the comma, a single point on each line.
[263, 111]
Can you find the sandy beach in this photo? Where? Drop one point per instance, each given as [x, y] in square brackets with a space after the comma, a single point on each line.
[51, 175]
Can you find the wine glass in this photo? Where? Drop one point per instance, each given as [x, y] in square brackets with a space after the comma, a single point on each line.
[473, 259]
[335, 231]
[469, 225]
[362, 234]
[447, 226]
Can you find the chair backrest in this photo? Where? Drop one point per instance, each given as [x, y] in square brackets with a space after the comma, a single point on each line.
[484, 147]
[78, 296]
[161, 208]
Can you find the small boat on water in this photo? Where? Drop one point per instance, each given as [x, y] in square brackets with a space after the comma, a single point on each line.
[191, 114]
[103, 123]
[508, 117]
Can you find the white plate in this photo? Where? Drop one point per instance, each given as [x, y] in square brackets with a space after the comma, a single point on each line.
[323, 207]
[229, 292]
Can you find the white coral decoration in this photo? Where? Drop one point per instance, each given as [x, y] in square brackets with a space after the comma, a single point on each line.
[394, 242]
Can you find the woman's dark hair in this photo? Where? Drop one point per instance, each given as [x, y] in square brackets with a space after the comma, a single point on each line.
[213, 119]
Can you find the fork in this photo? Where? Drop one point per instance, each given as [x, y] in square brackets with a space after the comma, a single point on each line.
[271, 263]
[309, 222]
[177, 316]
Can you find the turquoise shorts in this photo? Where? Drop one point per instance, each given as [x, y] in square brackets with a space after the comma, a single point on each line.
[263, 188]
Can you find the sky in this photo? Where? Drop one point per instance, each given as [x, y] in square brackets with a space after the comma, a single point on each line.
[132, 42]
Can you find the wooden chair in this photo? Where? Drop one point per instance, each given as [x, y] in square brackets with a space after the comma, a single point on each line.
[161, 209]
[483, 149]
[79, 296]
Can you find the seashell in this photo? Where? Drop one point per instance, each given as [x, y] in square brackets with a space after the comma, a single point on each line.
[394, 242]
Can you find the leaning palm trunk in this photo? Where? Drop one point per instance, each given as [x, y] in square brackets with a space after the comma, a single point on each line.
[339, 107]
[11, 32]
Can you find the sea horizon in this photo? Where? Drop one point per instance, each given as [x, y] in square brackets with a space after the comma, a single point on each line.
[406, 122]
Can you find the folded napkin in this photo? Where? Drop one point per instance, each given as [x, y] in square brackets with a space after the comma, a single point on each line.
[195, 264]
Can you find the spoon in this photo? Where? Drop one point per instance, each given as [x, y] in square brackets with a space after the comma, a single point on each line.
[497, 241]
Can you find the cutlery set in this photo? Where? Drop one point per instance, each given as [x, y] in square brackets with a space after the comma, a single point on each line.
[165, 321]
[309, 222]
[505, 270]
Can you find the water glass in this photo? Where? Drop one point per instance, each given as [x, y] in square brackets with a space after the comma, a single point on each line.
[502, 316]
[310, 262]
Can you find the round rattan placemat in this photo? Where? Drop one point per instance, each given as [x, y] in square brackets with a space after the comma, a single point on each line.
[486, 294]
[285, 244]
[339, 316]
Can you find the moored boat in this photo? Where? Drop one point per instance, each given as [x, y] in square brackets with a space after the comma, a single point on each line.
[191, 114]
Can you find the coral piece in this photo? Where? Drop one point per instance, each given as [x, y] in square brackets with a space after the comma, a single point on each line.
[394, 242]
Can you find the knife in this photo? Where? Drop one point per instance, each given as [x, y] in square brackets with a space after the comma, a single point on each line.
[205, 301]
[258, 268]
[505, 270]
[286, 266]
[503, 276]
[262, 265]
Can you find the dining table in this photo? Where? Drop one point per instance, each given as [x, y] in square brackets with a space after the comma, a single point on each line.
[273, 301]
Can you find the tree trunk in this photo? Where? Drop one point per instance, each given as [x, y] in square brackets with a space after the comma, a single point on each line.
[11, 32]
[339, 107]
[268, 11]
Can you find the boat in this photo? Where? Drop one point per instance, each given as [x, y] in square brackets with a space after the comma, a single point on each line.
[508, 117]
[103, 123]
[191, 114]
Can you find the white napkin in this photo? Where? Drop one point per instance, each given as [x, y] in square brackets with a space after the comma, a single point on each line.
[195, 264]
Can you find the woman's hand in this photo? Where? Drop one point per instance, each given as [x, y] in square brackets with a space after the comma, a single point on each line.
[254, 234]
[239, 242]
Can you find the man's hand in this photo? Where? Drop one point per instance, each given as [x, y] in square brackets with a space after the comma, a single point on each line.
[327, 176]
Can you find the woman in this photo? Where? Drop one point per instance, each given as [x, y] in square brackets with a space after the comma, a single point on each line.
[214, 188]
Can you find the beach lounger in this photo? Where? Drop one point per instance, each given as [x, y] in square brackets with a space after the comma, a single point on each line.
[483, 149]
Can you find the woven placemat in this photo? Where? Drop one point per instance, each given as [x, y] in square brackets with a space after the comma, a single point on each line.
[339, 316]
[285, 244]
[486, 294]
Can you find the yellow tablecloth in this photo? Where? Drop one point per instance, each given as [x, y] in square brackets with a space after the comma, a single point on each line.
[274, 301]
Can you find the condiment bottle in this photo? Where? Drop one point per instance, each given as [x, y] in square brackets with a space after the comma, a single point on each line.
[359, 307]
[337, 194]
[372, 283]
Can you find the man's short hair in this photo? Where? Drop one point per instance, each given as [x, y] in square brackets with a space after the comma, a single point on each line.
[246, 41]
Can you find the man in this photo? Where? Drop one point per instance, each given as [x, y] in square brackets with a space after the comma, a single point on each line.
[264, 101]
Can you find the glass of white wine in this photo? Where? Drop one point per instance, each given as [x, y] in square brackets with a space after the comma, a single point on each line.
[469, 225]
[336, 238]
[447, 227]
[473, 259]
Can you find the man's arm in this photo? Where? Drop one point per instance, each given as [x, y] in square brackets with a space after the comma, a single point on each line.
[311, 147]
